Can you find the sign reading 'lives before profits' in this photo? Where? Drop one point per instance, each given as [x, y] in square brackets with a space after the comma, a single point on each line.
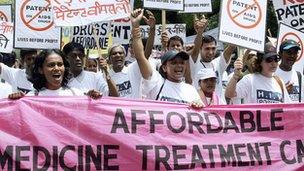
[287, 32]
[197, 6]
[34, 26]
[177, 5]
[243, 22]
[6, 12]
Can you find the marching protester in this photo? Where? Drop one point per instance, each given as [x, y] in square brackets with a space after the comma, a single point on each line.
[262, 86]
[205, 58]
[50, 76]
[16, 77]
[91, 64]
[248, 60]
[85, 80]
[207, 82]
[293, 79]
[166, 85]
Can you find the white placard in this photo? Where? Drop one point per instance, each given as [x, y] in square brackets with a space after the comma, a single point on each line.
[6, 36]
[76, 13]
[290, 12]
[197, 6]
[243, 23]
[34, 27]
[287, 32]
[6, 12]
[174, 5]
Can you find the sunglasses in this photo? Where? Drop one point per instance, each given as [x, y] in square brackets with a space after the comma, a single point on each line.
[271, 59]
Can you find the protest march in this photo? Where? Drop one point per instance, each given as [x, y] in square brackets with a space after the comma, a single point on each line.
[122, 87]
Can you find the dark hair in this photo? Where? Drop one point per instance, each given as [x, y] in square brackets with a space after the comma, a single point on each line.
[161, 71]
[175, 38]
[39, 81]
[72, 46]
[8, 59]
[24, 52]
[208, 39]
[257, 67]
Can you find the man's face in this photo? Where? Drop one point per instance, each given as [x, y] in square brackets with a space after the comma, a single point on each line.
[117, 58]
[175, 45]
[208, 51]
[29, 60]
[289, 56]
[75, 59]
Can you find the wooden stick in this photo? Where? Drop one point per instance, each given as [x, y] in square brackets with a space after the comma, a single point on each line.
[163, 20]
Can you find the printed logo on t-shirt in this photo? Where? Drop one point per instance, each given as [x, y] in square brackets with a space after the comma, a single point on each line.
[124, 88]
[294, 95]
[23, 90]
[170, 99]
[268, 97]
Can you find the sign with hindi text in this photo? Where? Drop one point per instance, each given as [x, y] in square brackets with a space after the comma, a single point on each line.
[6, 36]
[82, 12]
[243, 23]
[6, 12]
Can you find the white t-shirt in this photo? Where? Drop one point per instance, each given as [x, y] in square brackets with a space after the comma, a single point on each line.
[5, 90]
[87, 80]
[128, 81]
[292, 76]
[58, 92]
[174, 92]
[17, 78]
[256, 88]
[218, 64]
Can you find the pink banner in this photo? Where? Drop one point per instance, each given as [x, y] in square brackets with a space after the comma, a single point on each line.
[110, 134]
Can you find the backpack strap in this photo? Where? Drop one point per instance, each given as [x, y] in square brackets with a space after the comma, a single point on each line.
[300, 85]
[278, 79]
[161, 88]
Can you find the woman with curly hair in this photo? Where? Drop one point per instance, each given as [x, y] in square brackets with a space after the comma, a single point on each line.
[262, 86]
[50, 76]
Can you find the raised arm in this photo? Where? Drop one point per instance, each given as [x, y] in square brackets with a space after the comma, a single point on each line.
[111, 85]
[228, 52]
[199, 26]
[231, 87]
[150, 41]
[143, 63]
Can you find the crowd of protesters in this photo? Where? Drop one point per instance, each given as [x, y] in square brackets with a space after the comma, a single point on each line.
[195, 76]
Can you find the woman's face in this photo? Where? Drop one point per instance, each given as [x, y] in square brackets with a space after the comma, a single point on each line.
[208, 85]
[175, 69]
[53, 70]
[91, 65]
[270, 65]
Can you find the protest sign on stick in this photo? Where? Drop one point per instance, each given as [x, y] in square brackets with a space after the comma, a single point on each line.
[197, 6]
[243, 23]
[76, 13]
[174, 5]
[34, 26]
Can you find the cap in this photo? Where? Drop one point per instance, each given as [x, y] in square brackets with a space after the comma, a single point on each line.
[206, 73]
[270, 51]
[173, 54]
[288, 44]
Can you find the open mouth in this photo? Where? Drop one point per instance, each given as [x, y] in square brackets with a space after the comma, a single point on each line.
[57, 76]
